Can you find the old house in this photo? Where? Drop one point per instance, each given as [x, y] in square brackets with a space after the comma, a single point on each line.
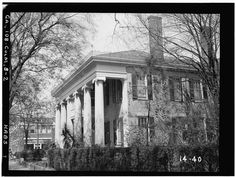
[107, 95]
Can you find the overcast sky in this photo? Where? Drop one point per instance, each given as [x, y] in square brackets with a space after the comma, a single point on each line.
[109, 37]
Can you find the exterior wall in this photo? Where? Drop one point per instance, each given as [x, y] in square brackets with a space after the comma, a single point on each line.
[139, 107]
[127, 111]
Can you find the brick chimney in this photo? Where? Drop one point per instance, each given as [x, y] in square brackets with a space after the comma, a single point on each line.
[155, 38]
[206, 42]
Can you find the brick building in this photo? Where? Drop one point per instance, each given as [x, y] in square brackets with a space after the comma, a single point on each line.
[107, 95]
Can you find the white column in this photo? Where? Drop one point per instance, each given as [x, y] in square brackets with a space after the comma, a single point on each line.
[99, 112]
[63, 121]
[69, 114]
[78, 117]
[125, 110]
[87, 117]
[58, 125]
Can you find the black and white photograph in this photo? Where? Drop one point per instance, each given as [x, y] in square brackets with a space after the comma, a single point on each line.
[111, 92]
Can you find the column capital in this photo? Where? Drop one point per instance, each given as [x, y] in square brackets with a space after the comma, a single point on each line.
[76, 93]
[99, 78]
[86, 87]
[69, 98]
[58, 106]
[63, 102]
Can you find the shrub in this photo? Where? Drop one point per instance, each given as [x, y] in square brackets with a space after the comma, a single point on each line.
[155, 158]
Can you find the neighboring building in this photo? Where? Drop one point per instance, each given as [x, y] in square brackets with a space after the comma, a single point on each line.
[107, 95]
[41, 132]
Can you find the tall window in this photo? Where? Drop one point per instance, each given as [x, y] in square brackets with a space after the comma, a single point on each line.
[175, 89]
[116, 87]
[142, 86]
[144, 122]
[195, 90]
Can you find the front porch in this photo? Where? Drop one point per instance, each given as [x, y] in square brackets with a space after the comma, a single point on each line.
[96, 113]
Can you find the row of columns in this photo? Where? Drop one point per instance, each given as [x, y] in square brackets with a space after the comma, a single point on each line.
[63, 115]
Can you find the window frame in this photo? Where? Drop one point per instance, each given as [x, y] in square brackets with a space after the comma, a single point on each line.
[173, 88]
[143, 121]
[136, 86]
[192, 90]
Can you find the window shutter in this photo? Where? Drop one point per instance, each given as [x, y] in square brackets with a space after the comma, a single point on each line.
[113, 91]
[119, 91]
[191, 86]
[107, 92]
[171, 86]
[134, 86]
[149, 85]
[205, 96]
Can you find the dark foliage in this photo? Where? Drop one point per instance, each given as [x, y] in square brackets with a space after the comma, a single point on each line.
[156, 158]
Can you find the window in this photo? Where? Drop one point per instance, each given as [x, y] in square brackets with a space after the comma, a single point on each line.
[116, 91]
[142, 123]
[49, 130]
[142, 86]
[43, 129]
[178, 86]
[32, 131]
[151, 125]
[175, 87]
[195, 90]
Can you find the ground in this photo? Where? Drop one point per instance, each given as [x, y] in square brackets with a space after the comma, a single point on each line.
[14, 165]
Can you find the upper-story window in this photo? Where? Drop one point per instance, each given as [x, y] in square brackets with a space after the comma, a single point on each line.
[175, 87]
[142, 86]
[195, 89]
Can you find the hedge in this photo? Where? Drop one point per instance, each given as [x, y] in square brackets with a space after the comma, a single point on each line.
[31, 155]
[140, 159]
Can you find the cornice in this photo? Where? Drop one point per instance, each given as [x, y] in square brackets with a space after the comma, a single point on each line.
[111, 60]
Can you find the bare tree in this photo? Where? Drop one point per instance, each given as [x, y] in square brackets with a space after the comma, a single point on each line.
[194, 41]
[43, 42]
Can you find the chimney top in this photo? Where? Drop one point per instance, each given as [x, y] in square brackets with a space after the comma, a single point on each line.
[154, 17]
[155, 38]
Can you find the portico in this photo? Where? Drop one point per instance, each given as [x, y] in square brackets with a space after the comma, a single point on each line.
[83, 108]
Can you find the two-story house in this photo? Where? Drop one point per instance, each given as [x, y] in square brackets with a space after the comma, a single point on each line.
[108, 94]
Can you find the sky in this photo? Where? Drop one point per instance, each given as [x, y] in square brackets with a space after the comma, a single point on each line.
[109, 37]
